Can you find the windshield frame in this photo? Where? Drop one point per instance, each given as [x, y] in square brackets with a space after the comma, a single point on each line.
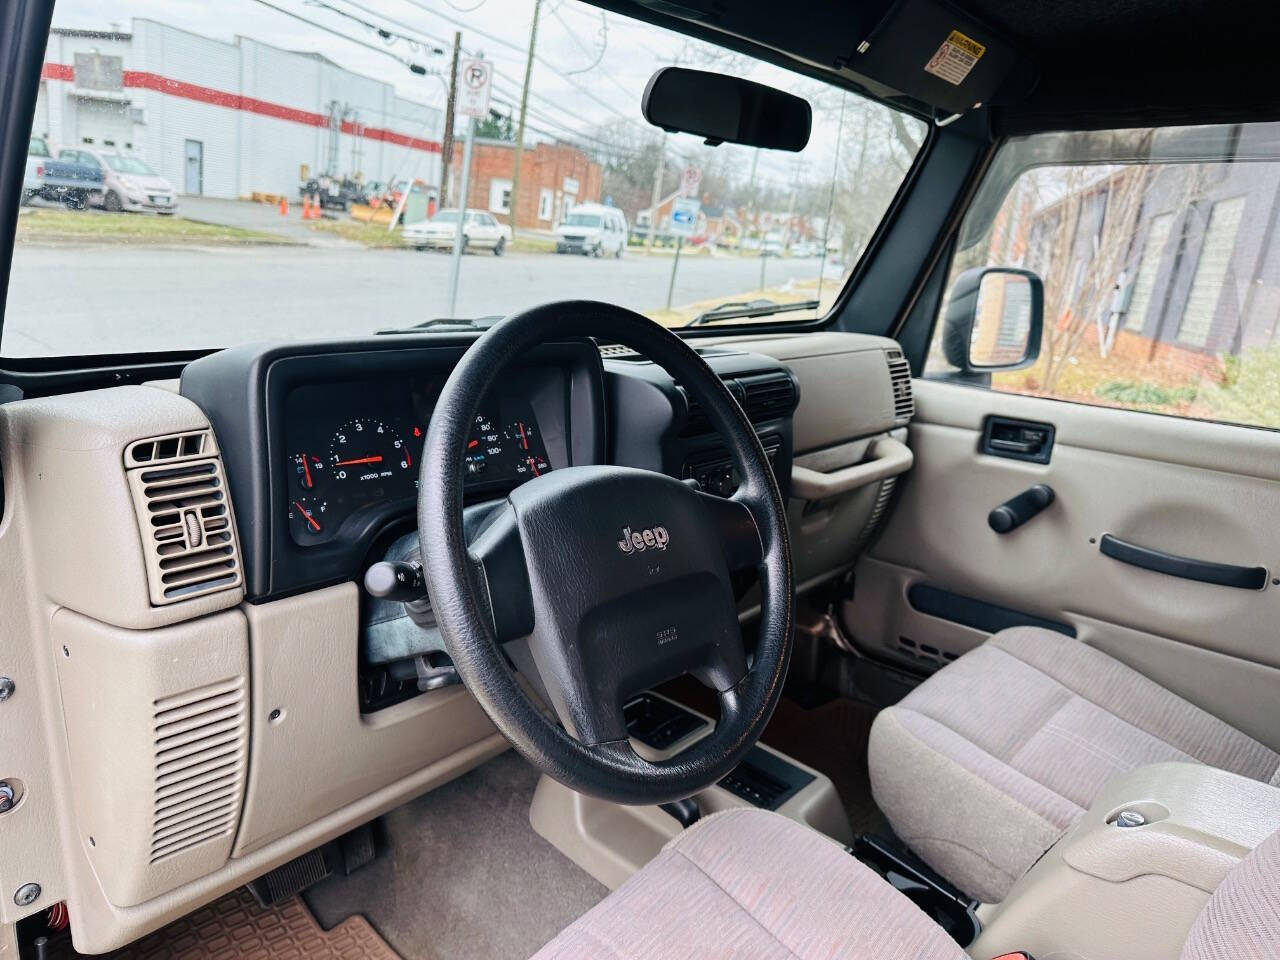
[29, 52]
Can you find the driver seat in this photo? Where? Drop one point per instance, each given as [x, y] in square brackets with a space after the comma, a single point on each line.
[750, 884]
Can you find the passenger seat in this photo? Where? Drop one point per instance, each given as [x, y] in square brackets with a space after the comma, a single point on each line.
[984, 765]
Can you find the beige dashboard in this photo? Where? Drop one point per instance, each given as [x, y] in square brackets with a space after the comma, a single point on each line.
[168, 740]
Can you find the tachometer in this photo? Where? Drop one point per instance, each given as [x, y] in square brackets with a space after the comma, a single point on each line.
[365, 450]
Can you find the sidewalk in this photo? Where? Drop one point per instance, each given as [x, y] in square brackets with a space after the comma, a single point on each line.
[260, 216]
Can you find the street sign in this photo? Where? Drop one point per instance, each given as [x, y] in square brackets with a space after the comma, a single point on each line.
[690, 179]
[684, 216]
[473, 91]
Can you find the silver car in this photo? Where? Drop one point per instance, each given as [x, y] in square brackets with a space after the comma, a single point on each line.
[130, 184]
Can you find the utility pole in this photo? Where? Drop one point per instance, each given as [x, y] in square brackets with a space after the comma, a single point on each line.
[459, 236]
[656, 195]
[446, 147]
[524, 103]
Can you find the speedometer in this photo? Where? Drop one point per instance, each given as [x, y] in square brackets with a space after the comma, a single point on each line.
[366, 450]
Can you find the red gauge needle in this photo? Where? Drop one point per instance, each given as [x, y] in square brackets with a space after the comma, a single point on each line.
[473, 443]
[310, 519]
[348, 463]
[306, 472]
[533, 465]
[523, 439]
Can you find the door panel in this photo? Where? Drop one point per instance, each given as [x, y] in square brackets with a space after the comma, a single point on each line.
[1200, 490]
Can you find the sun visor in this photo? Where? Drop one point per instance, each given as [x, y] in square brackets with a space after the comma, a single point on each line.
[936, 54]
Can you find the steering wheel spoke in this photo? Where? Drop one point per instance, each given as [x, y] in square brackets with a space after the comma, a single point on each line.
[737, 530]
[496, 554]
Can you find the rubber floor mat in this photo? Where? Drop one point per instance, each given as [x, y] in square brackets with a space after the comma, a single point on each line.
[236, 928]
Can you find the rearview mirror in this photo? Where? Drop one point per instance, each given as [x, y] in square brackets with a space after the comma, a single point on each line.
[725, 109]
[994, 320]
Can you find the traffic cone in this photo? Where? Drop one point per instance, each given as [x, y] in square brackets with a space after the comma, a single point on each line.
[284, 206]
[306, 206]
[315, 206]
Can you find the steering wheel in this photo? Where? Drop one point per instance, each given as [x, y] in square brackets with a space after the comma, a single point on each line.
[620, 578]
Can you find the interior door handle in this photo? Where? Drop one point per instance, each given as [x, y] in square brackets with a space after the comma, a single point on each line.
[1204, 571]
[889, 457]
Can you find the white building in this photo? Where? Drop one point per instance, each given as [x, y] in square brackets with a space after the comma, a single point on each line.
[230, 119]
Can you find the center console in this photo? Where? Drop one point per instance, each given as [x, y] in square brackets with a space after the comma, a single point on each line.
[1129, 879]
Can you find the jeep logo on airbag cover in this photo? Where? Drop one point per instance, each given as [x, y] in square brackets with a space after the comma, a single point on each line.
[650, 538]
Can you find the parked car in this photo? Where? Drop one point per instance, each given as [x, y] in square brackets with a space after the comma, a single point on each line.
[773, 245]
[37, 153]
[594, 230]
[128, 182]
[334, 193]
[804, 249]
[480, 231]
[70, 182]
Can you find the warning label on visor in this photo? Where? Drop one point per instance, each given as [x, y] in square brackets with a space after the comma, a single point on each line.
[955, 58]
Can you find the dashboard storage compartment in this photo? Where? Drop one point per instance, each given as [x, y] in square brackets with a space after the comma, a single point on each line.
[158, 733]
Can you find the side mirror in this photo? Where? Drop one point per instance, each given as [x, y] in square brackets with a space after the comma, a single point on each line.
[726, 109]
[994, 320]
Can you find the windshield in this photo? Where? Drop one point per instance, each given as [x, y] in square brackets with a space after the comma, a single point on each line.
[128, 165]
[274, 121]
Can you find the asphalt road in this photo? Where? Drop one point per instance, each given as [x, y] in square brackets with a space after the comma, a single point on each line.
[72, 299]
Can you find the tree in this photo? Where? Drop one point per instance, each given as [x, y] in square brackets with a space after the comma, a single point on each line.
[496, 126]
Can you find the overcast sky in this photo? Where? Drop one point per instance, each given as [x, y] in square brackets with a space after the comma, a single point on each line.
[575, 85]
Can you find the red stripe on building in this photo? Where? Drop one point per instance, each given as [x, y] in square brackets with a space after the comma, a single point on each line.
[142, 80]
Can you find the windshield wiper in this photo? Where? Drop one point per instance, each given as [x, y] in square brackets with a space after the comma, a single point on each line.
[457, 323]
[742, 309]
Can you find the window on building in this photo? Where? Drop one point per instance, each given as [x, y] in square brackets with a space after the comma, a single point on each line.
[545, 199]
[500, 196]
[1087, 211]
[1148, 267]
[1214, 273]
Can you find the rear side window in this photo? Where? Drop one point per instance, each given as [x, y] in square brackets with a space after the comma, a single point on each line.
[1159, 251]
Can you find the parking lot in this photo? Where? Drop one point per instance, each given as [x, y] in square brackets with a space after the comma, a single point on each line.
[71, 297]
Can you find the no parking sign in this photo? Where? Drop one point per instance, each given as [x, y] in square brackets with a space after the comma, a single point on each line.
[473, 91]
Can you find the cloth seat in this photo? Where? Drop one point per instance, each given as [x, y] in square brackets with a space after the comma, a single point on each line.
[751, 885]
[984, 765]
[746, 883]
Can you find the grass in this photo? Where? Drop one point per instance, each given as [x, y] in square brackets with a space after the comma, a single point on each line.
[87, 226]
[367, 234]
[533, 243]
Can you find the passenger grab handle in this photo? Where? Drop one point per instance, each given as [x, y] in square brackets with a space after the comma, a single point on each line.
[889, 457]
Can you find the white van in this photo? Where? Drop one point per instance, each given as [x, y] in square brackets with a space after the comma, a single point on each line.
[592, 229]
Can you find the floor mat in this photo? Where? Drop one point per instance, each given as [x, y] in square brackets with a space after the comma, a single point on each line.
[236, 928]
[830, 737]
[464, 876]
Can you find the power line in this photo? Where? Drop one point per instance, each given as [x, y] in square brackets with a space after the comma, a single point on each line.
[383, 32]
[415, 67]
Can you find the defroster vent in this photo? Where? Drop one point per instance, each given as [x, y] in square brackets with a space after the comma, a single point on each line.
[184, 515]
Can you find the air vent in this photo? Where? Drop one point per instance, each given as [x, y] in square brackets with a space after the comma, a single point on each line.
[930, 657]
[188, 536]
[173, 448]
[769, 396]
[874, 518]
[904, 407]
[764, 397]
[617, 351]
[201, 743]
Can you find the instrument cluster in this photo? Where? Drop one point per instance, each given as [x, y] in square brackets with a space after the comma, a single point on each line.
[356, 446]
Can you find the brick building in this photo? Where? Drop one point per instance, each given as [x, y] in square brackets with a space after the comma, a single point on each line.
[554, 178]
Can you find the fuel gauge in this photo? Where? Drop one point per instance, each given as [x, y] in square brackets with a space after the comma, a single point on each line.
[306, 516]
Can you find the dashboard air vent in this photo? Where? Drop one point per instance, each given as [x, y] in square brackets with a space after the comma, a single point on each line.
[904, 407]
[170, 449]
[188, 537]
[769, 396]
[201, 744]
